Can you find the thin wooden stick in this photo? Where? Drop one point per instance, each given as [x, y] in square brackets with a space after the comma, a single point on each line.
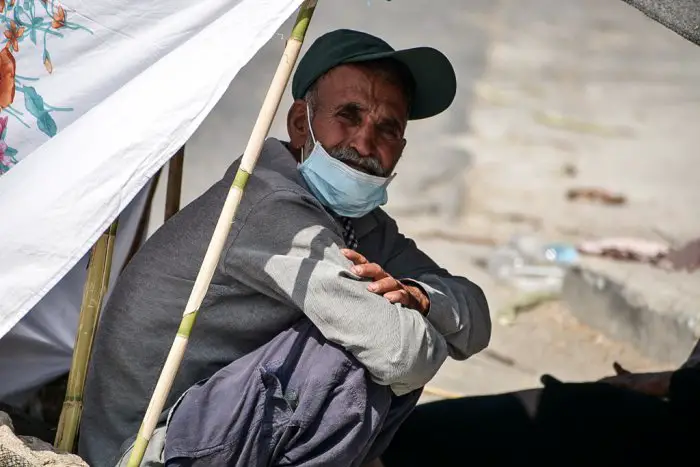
[442, 393]
[94, 291]
[173, 193]
[223, 227]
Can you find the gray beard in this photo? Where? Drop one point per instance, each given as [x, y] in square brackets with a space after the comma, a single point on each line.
[349, 156]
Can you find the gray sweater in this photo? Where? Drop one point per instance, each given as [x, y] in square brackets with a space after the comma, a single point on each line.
[281, 262]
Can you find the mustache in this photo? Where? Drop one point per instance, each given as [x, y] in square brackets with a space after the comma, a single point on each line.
[351, 157]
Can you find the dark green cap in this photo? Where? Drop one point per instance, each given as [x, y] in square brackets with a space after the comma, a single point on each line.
[432, 72]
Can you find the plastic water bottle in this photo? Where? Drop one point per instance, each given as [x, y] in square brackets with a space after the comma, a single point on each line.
[529, 264]
[536, 251]
[560, 253]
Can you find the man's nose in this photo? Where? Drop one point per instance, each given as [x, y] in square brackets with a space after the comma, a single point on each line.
[363, 141]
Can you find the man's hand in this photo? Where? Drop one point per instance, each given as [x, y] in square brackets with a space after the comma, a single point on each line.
[385, 285]
[653, 384]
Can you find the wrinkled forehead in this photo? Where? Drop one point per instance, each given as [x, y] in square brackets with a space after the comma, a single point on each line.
[361, 86]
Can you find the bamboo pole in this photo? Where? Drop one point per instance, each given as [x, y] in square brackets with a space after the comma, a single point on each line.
[174, 190]
[94, 291]
[223, 227]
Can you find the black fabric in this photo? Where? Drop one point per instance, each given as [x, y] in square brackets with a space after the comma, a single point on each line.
[575, 424]
[471, 431]
[435, 82]
[684, 398]
[680, 16]
[599, 424]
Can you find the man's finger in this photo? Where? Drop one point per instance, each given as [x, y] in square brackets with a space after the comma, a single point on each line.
[354, 256]
[369, 270]
[385, 285]
[398, 296]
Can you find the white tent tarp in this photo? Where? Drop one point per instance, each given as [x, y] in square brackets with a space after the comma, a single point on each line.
[105, 93]
[144, 79]
[39, 348]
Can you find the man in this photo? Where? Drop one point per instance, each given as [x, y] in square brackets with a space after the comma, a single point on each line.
[322, 321]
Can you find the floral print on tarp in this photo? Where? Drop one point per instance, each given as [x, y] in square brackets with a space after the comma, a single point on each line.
[38, 21]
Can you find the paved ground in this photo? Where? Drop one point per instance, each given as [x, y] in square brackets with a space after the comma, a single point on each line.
[653, 309]
[553, 94]
[546, 339]
[585, 94]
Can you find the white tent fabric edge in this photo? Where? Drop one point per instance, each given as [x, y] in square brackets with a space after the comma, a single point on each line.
[39, 348]
[53, 212]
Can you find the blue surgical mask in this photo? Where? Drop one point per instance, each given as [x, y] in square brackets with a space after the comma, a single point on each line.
[344, 190]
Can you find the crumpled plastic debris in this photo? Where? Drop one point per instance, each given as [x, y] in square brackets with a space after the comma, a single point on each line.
[626, 248]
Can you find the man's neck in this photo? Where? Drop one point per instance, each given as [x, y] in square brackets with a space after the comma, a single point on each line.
[295, 153]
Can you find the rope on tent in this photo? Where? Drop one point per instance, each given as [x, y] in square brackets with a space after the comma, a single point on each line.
[222, 229]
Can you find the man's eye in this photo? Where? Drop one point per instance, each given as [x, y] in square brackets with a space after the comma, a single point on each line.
[348, 116]
[390, 133]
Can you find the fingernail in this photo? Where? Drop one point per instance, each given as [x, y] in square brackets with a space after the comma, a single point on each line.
[372, 288]
[356, 269]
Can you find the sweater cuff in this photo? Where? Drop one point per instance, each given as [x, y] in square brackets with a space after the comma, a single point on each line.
[440, 311]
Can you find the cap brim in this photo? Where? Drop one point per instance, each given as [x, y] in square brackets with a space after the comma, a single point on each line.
[434, 76]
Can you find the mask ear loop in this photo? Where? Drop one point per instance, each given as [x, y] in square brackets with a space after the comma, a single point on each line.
[308, 119]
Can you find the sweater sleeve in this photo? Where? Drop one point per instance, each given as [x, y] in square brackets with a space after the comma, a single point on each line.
[288, 250]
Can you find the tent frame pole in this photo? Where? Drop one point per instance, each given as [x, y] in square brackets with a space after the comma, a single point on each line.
[96, 284]
[221, 231]
[174, 190]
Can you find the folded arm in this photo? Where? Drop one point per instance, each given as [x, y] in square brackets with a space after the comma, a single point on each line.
[458, 307]
[287, 248]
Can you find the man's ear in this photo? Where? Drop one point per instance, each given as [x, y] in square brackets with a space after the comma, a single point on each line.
[403, 146]
[297, 126]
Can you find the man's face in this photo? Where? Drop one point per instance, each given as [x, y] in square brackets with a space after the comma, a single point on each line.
[360, 118]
